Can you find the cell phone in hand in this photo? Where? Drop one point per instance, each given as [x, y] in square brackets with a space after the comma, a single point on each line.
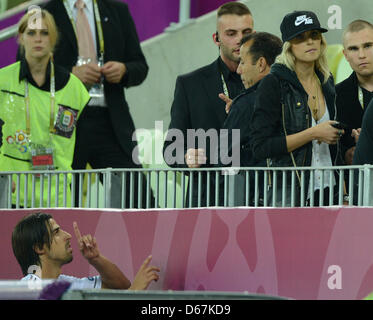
[339, 125]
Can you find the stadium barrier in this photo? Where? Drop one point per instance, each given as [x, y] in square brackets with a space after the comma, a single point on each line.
[174, 188]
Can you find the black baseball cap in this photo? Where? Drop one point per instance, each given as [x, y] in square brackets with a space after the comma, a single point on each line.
[297, 22]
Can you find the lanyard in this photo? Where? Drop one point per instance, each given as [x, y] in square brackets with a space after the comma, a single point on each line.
[360, 96]
[225, 88]
[98, 24]
[52, 103]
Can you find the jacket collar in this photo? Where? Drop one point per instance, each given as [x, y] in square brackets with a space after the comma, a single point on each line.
[227, 74]
[62, 76]
[25, 73]
[283, 72]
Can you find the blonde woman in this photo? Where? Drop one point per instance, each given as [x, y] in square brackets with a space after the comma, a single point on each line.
[39, 104]
[295, 109]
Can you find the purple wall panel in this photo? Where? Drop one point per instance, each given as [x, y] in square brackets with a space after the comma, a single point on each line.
[8, 48]
[200, 7]
[151, 18]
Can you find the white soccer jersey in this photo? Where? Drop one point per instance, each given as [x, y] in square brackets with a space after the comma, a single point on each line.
[76, 283]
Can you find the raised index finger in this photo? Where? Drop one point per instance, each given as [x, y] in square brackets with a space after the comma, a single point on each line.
[146, 262]
[77, 231]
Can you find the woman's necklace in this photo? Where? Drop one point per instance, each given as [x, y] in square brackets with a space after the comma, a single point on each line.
[316, 106]
[315, 111]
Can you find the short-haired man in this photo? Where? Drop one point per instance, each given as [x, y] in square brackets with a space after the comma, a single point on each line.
[355, 93]
[196, 102]
[257, 53]
[41, 248]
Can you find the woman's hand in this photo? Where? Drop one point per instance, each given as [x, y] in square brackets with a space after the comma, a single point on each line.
[325, 132]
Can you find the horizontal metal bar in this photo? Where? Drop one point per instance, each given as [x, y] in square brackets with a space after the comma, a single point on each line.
[20, 8]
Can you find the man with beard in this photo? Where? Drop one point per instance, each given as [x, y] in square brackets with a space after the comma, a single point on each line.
[197, 104]
[42, 248]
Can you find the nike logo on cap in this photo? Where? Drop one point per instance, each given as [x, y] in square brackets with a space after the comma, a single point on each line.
[299, 20]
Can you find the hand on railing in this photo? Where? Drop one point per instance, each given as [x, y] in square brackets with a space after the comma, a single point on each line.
[325, 132]
[194, 158]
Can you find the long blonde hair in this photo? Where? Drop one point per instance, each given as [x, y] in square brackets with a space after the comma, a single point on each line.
[287, 58]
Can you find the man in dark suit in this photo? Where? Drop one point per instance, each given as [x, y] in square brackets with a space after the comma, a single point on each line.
[355, 93]
[104, 130]
[197, 104]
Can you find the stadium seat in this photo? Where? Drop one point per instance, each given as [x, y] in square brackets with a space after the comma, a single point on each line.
[338, 64]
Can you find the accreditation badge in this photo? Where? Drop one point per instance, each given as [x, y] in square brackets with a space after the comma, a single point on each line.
[65, 121]
[42, 157]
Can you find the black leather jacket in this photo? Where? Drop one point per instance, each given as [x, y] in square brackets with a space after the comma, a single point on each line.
[281, 109]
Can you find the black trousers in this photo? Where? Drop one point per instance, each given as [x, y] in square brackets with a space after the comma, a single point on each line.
[97, 144]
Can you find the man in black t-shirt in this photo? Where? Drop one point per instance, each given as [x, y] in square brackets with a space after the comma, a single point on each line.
[355, 93]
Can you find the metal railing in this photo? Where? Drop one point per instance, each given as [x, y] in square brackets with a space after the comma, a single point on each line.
[31, 290]
[184, 17]
[185, 188]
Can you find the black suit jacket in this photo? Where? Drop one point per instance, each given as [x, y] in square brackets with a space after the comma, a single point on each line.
[197, 105]
[121, 44]
[239, 117]
[349, 110]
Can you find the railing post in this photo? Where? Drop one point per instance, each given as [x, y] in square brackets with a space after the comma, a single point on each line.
[236, 187]
[107, 188]
[4, 189]
[184, 11]
[184, 16]
[113, 189]
[367, 196]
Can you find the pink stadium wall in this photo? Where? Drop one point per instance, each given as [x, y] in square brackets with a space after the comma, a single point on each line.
[308, 253]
